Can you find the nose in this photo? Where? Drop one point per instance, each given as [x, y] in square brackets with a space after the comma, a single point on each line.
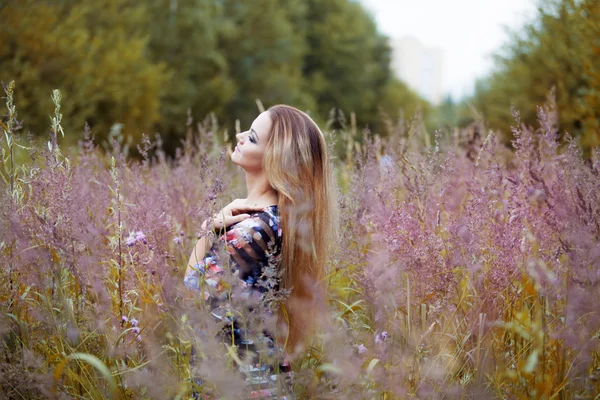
[240, 136]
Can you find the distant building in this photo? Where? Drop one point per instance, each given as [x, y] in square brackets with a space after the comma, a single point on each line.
[419, 66]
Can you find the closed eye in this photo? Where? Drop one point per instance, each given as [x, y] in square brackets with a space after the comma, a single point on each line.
[253, 139]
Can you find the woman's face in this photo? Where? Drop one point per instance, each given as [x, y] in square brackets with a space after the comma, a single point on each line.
[251, 145]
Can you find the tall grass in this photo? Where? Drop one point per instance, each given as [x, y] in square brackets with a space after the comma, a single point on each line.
[464, 269]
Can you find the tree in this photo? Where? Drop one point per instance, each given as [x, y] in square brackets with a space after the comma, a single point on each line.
[184, 34]
[144, 64]
[561, 50]
[265, 52]
[399, 101]
[347, 65]
[93, 51]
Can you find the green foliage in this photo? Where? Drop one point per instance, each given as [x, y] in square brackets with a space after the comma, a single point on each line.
[185, 36]
[93, 51]
[561, 49]
[265, 51]
[399, 101]
[148, 65]
[348, 65]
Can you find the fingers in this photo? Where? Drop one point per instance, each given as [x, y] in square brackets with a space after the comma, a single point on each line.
[246, 208]
[234, 214]
[219, 223]
[236, 218]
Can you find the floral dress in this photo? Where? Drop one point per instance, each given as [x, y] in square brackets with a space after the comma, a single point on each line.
[253, 247]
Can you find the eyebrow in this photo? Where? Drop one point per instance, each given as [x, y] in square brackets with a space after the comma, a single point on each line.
[255, 134]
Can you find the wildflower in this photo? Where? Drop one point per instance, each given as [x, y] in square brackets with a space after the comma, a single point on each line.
[134, 322]
[136, 329]
[361, 348]
[130, 239]
[140, 237]
[381, 337]
[177, 240]
[135, 237]
[124, 319]
[138, 338]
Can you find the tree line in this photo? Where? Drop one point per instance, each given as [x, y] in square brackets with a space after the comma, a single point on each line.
[151, 65]
[559, 49]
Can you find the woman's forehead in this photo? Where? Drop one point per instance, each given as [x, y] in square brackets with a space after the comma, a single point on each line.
[262, 125]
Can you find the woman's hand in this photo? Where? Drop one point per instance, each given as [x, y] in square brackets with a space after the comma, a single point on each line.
[232, 213]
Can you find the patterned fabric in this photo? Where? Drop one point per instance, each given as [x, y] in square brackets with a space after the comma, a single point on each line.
[253, 248]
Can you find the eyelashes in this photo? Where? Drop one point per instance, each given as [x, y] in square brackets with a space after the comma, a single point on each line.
[250, 138]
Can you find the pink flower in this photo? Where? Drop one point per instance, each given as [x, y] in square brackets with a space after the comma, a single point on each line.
[124, 319]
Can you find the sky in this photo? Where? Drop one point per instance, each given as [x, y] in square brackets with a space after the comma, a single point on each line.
[468, 31]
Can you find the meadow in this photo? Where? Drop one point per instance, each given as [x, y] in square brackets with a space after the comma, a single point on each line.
[464, 269]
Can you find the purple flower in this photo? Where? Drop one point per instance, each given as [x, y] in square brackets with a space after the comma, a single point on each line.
[134, 322]
[123, 319]
[136, 329]
[177, 240]
[135, 237]
[140, 237]
[381, 337]
[130, 239]
[138, 338]
[361, 348]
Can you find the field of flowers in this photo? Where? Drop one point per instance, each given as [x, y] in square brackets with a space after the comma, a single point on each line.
[463, 269]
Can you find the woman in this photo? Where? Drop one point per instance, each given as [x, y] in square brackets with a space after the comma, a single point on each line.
[287, 221]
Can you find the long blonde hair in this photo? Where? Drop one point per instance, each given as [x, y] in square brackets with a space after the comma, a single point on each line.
[298, 168]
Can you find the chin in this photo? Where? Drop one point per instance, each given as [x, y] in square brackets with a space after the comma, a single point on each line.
[233, 160]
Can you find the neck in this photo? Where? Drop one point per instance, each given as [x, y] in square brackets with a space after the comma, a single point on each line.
[258, 188]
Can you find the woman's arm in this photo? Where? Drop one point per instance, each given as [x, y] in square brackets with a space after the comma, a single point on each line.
[222, 219]
[199, 250]
[198, 254]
